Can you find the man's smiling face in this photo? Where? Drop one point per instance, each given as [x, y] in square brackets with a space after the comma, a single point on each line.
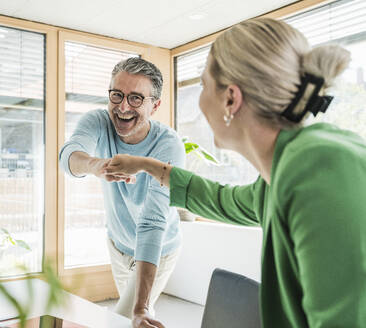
[132, 124]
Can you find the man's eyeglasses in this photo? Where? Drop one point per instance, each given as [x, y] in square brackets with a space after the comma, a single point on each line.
[134, 100]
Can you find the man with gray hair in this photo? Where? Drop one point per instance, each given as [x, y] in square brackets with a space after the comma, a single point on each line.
[143, 231]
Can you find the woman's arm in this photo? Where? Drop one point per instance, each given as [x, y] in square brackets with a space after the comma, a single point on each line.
[123, 164]
[321, 202]
[231, 204]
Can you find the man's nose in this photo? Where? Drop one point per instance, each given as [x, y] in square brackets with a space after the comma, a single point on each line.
[124, 106]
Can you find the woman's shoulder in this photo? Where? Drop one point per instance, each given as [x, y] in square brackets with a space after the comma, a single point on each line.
[320, 149]
[322, 164]
[322, 139]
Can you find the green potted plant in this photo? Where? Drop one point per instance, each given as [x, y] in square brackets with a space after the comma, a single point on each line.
[202, 155]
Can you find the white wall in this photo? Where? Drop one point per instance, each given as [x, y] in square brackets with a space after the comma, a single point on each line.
[207, 246]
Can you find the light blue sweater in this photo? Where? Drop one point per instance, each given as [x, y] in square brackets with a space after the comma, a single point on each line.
[139, 219]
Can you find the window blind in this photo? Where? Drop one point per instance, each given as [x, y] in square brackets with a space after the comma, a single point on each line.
[331, 22]
[88, 70]
[22, 65]
[191, 65]
[22, 84]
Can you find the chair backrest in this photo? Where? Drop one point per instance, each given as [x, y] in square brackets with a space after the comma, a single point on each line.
[232, 302]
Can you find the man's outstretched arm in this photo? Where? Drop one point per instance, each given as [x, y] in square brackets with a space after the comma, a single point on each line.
[81, 164]
[145, 275]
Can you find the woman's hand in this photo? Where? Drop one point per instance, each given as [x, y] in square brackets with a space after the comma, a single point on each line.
[97, 167]
[123, 167]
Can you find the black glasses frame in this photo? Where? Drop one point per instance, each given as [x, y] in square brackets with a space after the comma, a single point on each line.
[128, 98]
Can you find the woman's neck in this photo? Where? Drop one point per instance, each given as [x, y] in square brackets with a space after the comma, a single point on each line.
[257, 145]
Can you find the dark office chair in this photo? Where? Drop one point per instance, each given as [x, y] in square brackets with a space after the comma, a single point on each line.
[232, 302]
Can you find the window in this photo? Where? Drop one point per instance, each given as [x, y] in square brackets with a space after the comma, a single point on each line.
[342, 22]
[22, 83]
[87, 76]
[191, 123]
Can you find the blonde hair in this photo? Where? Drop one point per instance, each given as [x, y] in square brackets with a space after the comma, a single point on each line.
[266, 58]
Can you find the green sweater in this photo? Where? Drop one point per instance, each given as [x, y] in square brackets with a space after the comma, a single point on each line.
[313, 217]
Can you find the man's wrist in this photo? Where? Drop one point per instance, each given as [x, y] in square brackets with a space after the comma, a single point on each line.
[140, 308]
[78, 163]
[90, 165]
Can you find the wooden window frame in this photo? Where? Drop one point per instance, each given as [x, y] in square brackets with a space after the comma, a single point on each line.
[50, 192]
[96, 280]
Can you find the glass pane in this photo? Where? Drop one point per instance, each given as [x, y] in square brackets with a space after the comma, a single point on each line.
[321, 25]
[22, 63]
[348, 108]
[87, 72]
[333, 21]
[191, 123]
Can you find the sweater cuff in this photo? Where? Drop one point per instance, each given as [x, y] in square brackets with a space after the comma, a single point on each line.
[64, 159]
[179, 182]
[148, 253]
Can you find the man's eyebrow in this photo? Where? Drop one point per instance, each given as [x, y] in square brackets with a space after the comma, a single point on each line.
[137, 94]
[131, 93]
[117, 90]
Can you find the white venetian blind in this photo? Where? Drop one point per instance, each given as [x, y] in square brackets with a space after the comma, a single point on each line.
[88, 68]
[191, 65]
[342, 22]
[22, 84]
[21, 63]
[331, 22]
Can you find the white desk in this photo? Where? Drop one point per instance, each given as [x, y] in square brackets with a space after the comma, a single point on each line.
[76, 310]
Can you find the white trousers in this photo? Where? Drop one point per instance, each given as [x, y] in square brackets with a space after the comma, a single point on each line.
[124, 274]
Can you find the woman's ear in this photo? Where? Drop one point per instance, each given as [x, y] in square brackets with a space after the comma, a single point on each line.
[233, 99]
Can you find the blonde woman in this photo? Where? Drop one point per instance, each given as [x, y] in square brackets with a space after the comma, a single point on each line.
[260, 82]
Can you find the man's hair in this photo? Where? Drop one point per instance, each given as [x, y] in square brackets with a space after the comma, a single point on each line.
[137, 65]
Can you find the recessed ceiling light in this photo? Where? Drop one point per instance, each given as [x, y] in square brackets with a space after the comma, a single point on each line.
[197, 16]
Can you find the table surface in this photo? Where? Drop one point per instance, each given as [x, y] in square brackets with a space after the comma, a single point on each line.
[76, 309]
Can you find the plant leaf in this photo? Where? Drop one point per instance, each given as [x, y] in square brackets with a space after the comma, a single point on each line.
[11, 240]
[208, 156]
[56, 295]
[199, 154]
[5, 231]
[190, 146]
[23, 244]
[22, 312]
[199, 151]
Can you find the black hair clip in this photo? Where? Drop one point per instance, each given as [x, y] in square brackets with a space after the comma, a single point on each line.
[315, 103]
[320, 104]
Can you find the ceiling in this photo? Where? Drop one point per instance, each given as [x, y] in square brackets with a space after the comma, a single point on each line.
[162, 23]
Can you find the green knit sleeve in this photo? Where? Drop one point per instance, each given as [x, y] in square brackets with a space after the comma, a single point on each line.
[231, 204]
[320, 194]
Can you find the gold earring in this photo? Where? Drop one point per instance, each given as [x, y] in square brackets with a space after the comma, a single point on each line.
[227, 119]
